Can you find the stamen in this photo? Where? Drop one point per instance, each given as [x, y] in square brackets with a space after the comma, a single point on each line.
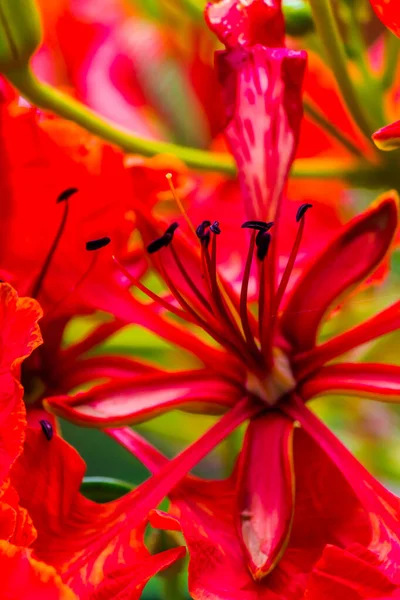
[258, 225]
[302, 211]
[66, 194]
[164, 240]
[91, 246]
[97, 244]
[263, 240]
[292, 257]
[155, 297]
[47, 428]
[179, 203]
[215, 228]
[63, 197]
[203, 234]
[243, 298]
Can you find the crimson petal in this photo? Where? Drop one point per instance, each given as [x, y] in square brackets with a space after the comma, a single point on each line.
[384, 322]
[262, 90]
[376, 381]
[140, 398]
[342, 265]
[266, 491]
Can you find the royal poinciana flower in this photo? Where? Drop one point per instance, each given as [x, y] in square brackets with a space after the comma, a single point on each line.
[21, 575]
[344, 539]
[260, 361]
[58, 192]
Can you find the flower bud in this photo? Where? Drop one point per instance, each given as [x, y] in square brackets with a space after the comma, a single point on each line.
[298, 17]
[20, 33]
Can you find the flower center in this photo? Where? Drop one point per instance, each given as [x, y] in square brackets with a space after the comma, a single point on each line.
[276, 384]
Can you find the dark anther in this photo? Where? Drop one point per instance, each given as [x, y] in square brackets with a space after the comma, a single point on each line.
[164, 240]
[263, 241]
[66, 194]
[171, 229]
[201, 229]
[215, 228]
[258, 225]
[97, 244]
[47, 428]
[302, 211]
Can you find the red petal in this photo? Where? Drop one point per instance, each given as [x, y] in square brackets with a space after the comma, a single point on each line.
[384, 322]
[388, 138]
[24, 577]
[388, 12]
[88, 541]
[262, 89]
[134, 400]
[376, 381]
[266, 491]
[382, 507]
[238, 23]
[340, 574]
[20, 335]
[151, 458]
[345, 263]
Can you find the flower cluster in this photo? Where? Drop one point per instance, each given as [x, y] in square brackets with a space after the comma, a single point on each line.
[248, 280]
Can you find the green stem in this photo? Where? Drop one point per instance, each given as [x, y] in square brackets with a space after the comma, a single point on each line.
[49, 98]
[333, 130]
[46, 97]
[328, 32]
[172, 587]
[392, 48]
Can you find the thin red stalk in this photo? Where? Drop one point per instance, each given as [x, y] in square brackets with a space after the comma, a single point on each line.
[265, 300]
[167, 305]
[189, 281]
[243, 299]
[46, 265]
[289, 268]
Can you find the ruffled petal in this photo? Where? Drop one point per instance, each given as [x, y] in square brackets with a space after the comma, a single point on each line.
[366, 380]
[342, 265]
[265, 505]
[137, 399]
[24, 577]
[20, 335]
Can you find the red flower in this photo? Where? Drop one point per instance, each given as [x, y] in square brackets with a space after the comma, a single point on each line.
[61, 188]
[344, 539]
[266, 366]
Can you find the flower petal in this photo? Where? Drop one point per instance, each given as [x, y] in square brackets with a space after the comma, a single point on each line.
[388, 12]
[88, 542]
[245, 24]
[24, 577]
[371, 380]
[262, 90]
[384, 322]
[343, 264]
[140, 398]
[266, 491]
[388, 137]
[340, 574]
[382, 507]
[20, 335]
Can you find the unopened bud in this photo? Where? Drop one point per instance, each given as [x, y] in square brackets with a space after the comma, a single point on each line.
[20, 33]
[298, 17]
